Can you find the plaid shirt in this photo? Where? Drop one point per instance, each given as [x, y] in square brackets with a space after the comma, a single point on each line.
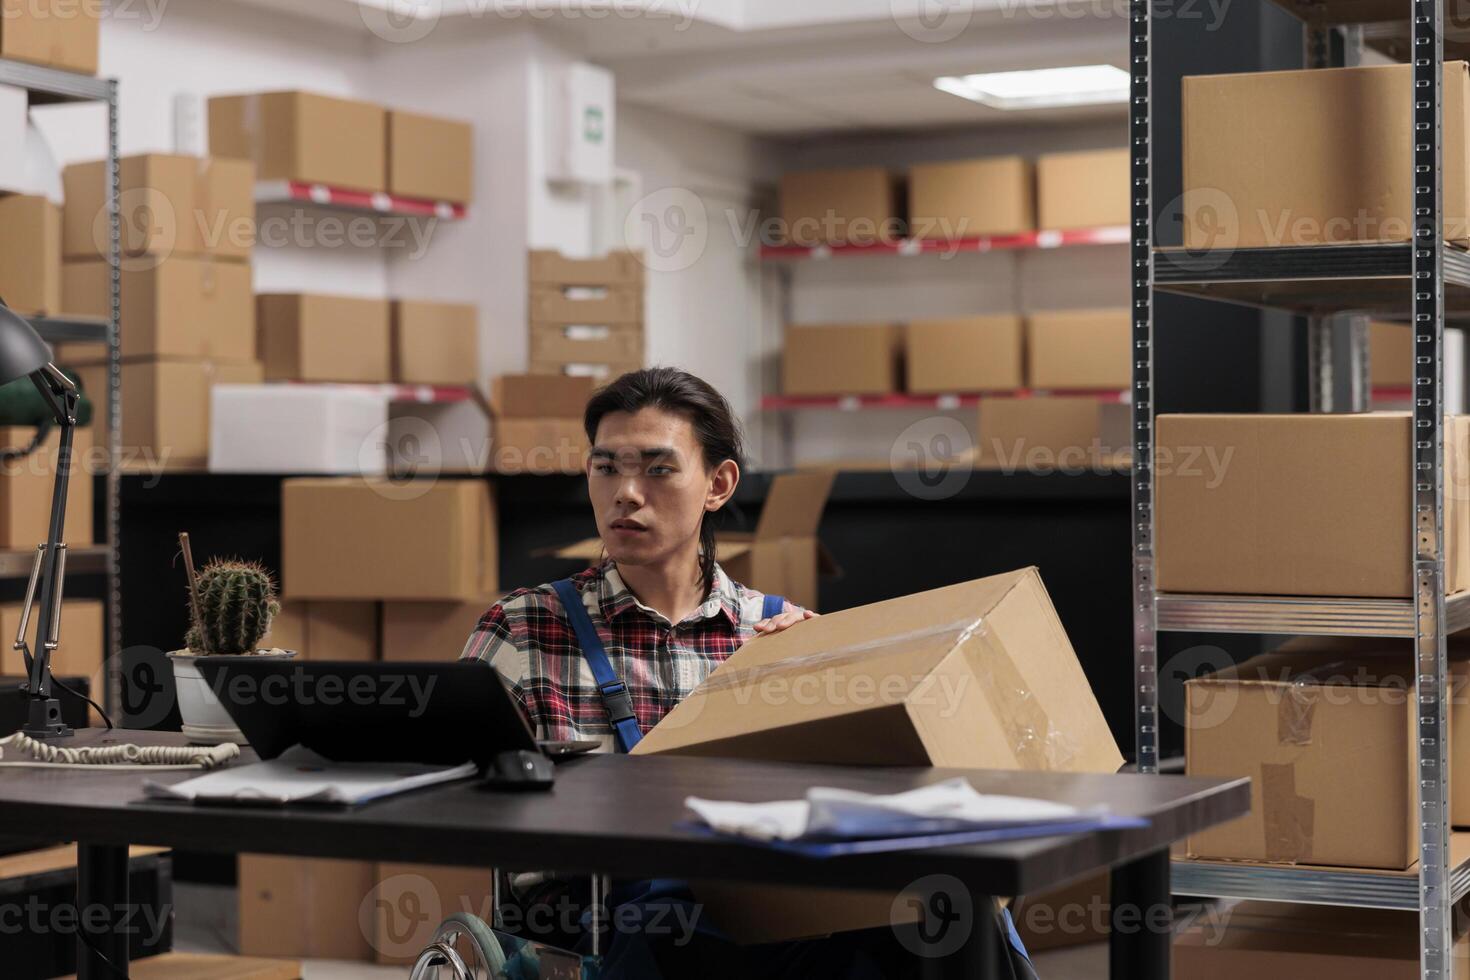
[526, 636]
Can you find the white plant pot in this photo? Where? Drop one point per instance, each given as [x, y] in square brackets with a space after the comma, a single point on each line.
[205, 720]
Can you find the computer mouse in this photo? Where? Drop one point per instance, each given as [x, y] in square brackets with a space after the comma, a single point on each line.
[520, 770]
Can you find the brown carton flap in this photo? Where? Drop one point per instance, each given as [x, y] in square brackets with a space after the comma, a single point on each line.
[794, 506]
[529, 396]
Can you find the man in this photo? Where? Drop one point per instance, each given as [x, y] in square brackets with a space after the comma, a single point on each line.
[657, 615]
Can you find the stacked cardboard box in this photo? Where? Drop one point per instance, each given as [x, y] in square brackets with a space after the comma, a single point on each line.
[966, 198]
[368, 540]
[1338, 523]
[318, 139]
[1049, 435]
[537, 423]
[188, 309]
[861, 206]
[26, 485]
[30, 255]
[1352, 123]
[56, 33]
[586, 315]
[435, 343]
[1068, 350]
[1088, 189]
[1273, 941]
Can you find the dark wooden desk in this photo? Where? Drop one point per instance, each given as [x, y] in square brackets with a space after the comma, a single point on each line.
[615, 815]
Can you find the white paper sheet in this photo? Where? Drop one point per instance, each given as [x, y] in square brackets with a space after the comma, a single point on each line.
[944, 806]
[299, 775]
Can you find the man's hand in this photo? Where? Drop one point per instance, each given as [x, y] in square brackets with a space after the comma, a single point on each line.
[778, 623]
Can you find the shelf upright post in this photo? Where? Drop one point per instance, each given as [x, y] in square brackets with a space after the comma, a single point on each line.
[112, 678]
[1145, 623]
[1427, 485]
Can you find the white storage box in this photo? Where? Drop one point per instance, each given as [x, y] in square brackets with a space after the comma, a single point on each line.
[298, 429]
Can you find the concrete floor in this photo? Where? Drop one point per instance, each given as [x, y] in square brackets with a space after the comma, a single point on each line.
[205, 922]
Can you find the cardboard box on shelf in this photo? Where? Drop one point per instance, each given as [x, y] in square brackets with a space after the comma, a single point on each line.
[351, 538]
[886, 660]
[430, 158]
[171, 205]
[412, 899]
[1072, 915]
[1047, 435]
[1337, 523]
[1079, 349]
[538, 447]
[26, 485]
[326, 630]
[300, 136]
[211, 966]
[14, 122]
[1391, 355]
[83, 646]
[299, 429]
[56, 33]
[30, 255]
[965, 198]
[539, 396]
[860, 206]
[166, 408]
[310, 337]
[597, 372]
[183, 307]
[437, 437]
[572, 343]
[1087, 189]
[435, 343]
[551, 303]
[227, 208]
[308, 907]
[963, 354]
[619, 267]
[1330, 166]
[430, 631]
[1318, 733]
[1275, 941]
[783, 556]
[842, 360]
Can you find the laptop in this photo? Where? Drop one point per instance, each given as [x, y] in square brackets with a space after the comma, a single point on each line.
[432, 713]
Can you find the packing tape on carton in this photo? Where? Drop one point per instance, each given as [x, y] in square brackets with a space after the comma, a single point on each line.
[1288, 817]
[1036, 743]
[250, 115]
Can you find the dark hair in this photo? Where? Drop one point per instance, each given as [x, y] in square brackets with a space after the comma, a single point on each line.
[715, 426]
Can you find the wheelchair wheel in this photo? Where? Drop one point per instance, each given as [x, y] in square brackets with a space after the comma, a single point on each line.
[465, 947]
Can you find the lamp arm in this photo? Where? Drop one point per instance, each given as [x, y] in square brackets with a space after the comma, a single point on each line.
[45, 712]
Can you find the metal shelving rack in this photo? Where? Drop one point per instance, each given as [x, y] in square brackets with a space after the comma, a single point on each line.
[50, 86]
[1420, 277]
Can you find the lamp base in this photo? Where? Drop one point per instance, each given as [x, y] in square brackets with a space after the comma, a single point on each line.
[44, 721]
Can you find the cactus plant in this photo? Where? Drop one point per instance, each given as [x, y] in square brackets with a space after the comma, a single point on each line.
[232, 604]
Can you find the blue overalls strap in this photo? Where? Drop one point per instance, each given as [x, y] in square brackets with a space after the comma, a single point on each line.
[773, 606]
[614, 692]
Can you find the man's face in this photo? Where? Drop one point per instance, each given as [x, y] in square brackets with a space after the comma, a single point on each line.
[648, 483]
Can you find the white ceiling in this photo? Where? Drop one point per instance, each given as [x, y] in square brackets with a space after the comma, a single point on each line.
[789, 67]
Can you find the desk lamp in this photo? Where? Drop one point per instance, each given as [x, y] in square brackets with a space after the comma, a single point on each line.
[24, 355]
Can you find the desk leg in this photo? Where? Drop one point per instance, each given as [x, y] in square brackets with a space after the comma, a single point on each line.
[102, 912]
[1143, 919]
